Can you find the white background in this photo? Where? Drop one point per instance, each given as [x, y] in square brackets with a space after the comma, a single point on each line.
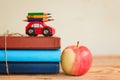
[95, 23]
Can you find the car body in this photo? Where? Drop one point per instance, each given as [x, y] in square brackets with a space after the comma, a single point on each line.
[35, 28]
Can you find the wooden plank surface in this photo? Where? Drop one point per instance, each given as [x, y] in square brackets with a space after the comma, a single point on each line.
[103, 68]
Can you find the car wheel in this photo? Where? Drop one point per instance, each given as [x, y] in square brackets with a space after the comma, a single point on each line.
[46, 32]
[31, 32]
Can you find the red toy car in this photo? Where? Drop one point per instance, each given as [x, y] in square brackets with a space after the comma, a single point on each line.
[35, 28]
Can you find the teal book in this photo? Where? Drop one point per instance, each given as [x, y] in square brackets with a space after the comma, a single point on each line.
[31, 55]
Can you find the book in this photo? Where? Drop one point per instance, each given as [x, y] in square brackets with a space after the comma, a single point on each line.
[26, 42]
[30, 68]
[30, 55]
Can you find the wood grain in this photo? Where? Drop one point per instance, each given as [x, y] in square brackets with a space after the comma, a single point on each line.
[103, 68]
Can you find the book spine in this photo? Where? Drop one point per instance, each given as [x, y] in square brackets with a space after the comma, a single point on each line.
[34, 68]
[31, 55]
[17, 42]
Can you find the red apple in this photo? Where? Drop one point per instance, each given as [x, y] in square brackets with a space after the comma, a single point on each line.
[76, 60]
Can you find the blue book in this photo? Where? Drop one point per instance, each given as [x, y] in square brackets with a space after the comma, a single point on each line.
[31, 55]
[30, 68]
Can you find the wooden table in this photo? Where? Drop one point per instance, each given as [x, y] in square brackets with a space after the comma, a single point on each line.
[103, 68]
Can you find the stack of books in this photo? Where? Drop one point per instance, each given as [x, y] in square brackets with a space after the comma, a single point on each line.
[30, 54]
[38, 16]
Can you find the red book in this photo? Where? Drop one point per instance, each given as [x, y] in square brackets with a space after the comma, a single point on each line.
[26, 42]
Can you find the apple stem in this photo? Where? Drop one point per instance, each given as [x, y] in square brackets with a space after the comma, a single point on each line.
[78, 44]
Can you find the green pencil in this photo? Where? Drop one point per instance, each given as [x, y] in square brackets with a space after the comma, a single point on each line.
[38, 13]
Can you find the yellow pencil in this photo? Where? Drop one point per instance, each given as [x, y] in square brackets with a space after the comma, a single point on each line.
[39, 16]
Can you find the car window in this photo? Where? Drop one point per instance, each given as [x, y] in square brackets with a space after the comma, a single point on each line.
[37, 25]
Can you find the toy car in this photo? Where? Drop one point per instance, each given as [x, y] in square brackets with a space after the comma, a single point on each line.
[35, 28]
